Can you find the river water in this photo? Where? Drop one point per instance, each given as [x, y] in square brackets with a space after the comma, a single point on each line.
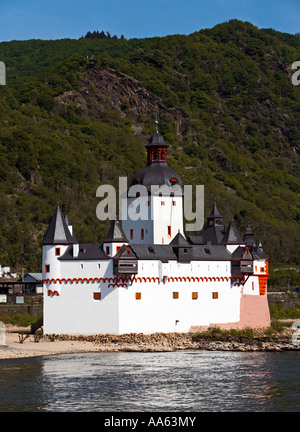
[183, 381]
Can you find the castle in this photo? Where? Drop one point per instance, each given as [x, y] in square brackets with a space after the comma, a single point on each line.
[147, 276]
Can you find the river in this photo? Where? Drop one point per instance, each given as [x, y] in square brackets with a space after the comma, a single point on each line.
[182, 381]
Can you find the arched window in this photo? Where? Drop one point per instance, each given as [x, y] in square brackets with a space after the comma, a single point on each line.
[174, 181]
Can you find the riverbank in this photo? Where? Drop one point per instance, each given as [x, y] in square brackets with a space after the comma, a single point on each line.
[19, 343]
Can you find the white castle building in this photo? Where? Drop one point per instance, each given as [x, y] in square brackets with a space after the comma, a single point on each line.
[147, 276]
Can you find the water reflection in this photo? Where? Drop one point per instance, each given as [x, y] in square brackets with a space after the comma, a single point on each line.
[181, 381]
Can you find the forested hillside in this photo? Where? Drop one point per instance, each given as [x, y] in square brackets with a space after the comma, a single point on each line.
[76, 114]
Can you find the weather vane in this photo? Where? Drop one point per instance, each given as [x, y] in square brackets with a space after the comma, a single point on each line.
[156, 124]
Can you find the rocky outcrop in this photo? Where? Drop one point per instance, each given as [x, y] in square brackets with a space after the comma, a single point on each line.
[162, 342]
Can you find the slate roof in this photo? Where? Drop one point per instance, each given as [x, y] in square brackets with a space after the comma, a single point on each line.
[232, 235]
[86, 252]
[58, 231]
[163, 253]
[116, 233]
[156, 173]
[256, 253]
[215, 212]
[156, 140]
[212, 234]
[248, 237]
[179, 241]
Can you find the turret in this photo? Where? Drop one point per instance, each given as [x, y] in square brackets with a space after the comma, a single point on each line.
[56, 240]
[115, 239]
[232, 238]
[160, 199]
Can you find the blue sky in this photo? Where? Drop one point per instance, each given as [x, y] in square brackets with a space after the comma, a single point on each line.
[58, 19]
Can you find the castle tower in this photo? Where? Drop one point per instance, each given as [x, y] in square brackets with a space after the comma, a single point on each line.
[157, 215]
[232, 238]
[56, 240]
[248, 237]
[115, 239]
[213, 231]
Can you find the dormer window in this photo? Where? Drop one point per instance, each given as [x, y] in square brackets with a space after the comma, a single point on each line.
[174, 181]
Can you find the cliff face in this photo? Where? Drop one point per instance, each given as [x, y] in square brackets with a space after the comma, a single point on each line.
[107, 88]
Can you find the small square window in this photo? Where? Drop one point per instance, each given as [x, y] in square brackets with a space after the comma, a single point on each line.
[174, 203]
[194, 295]
[215, 295]
[138, 296]
[175, 295]
[162, 203]
[107, 250]
[97, 296]
[118, 248]
[47, 268]
[57, 251]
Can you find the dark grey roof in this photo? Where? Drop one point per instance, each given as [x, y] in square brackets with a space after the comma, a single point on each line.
[58, 231]
[156, 140]
[86, 252]
[212, 234]
[179, 241]
[232, 235]
[248, 237]
[67, 220]
[165, 253]
[116, 233]
[215, 212]
[211, 252]
[156, 173]
[256, 253]
[196, 239]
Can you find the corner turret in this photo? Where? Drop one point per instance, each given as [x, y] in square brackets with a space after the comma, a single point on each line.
[55, 242]
[115, 239]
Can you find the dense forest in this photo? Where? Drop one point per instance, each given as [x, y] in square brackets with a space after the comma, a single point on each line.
[76, 114]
